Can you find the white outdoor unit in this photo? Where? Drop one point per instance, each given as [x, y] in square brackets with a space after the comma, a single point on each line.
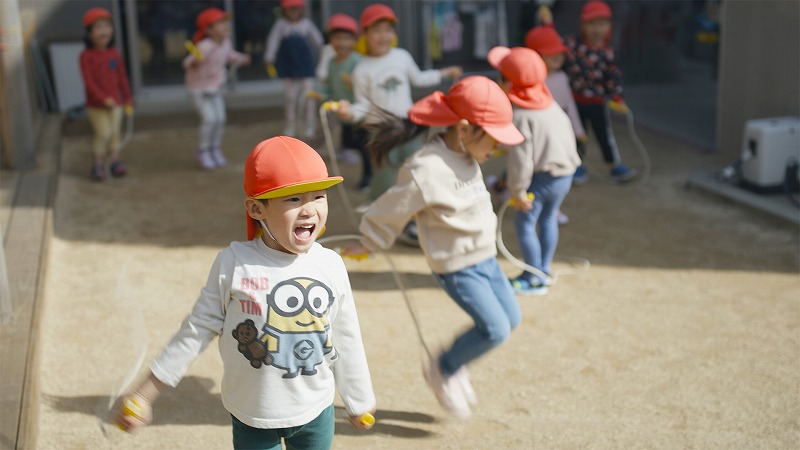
[769, 147]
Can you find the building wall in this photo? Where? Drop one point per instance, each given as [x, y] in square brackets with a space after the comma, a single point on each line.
[759, 66]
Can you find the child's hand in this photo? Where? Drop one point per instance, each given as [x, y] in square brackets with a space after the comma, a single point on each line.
[109, 102]
[618, 107]
[545, 15]
[522, 202]
[452, 72]
[133, 411]
[246, 60]
[355, 250]
[342, 109]
[583, 139]
[364, 421]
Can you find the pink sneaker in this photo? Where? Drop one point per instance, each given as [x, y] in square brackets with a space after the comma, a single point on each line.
[448, 391]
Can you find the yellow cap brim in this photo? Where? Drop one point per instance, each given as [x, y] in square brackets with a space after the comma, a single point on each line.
[300, 188]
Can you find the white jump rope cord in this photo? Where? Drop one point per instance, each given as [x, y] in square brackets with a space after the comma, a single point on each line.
[645, 157]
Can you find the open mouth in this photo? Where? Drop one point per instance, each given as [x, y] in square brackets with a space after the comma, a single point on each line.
[304, 232]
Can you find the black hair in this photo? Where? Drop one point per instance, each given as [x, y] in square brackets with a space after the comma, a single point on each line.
[387, 132]
[87, 37]
[341, 30]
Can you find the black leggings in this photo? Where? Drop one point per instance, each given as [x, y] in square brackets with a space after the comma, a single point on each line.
[597, 116]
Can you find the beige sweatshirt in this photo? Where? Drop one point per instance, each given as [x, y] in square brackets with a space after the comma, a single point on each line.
[549, 146]
[446, 192]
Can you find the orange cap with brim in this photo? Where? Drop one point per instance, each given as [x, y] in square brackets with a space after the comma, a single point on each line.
[282, 166]
[476, 99]
[595, 9]
[292, 4]
[341, 22]
[376, 12]
[526, 71]
[206, 18]
[95, 14]
[545, 40]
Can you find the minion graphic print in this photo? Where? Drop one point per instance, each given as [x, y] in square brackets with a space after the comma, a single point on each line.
[296, 333]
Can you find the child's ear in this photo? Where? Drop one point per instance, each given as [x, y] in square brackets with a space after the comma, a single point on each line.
[255, 208]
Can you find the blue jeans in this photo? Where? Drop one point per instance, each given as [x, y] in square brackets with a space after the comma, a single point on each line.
[538, 248]
[315, 435]
[483, 291]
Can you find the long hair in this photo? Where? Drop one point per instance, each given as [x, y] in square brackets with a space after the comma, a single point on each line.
[387, 132]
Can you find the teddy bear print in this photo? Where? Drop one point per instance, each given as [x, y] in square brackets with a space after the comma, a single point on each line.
[250, 346]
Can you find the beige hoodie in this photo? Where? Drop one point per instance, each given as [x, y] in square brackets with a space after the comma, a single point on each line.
[446, 192]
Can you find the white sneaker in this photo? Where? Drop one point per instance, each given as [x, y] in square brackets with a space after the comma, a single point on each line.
[218, 157]
[462, 378]
[448, 391]
[205, 160]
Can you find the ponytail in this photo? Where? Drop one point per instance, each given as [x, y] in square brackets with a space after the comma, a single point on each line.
[388, 132]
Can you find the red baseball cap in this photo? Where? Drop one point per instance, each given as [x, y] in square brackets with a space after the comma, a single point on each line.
[206, 18]
[476, 99]
[545, 41]
[526, 71]
[95, 14]
[292, 4]
[341, 22]
[282, 166]
[595, 9]
[376, 12]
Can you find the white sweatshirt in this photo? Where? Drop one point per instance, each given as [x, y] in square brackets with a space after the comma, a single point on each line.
[445, 190]
[385, 81]
[288, 335]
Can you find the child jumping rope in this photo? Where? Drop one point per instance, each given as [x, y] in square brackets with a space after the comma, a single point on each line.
[107, 91]
[205, 79]
[442, 185]
[290, 54]
[283, 310]
[543, 164]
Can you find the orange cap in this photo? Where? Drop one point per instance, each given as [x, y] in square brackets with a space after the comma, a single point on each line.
[476, 99]
[545, 41]
[206, 18]
[292, 4]
[95, 14]
[282, 166]
[376, 12]
[595, 9]
[341, 22]
[526, 71]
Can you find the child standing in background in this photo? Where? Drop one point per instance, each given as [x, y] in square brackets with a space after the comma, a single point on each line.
[205, 79]
[442, 185]
[383, 80]
[107, 90]
[337, 84]
[290, 54]
[596, 79]
[542, 164]
[298, 340]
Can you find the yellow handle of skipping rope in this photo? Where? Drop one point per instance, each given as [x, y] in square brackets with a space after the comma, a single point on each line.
[132, 408]
[272, 72]
[618, 107]
[330, 105]
[356, 256]
[367, 419]
[513, 202]
[191, 48]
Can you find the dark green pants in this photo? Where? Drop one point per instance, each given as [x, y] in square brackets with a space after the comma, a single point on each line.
[315, 435]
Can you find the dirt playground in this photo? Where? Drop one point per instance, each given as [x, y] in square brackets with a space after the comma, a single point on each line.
[683, 333]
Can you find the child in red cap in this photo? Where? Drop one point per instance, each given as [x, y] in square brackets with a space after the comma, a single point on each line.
[337, 85]
[383, 80]
[543, 164]
[107, 92]
[205, 80]
[283, 310]
[291, 50]
[596, 79]
[442, 186]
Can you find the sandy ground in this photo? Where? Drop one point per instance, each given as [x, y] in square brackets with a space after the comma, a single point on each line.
[684, 333]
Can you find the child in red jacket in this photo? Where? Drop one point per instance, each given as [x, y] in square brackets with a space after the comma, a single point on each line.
[107, 90]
